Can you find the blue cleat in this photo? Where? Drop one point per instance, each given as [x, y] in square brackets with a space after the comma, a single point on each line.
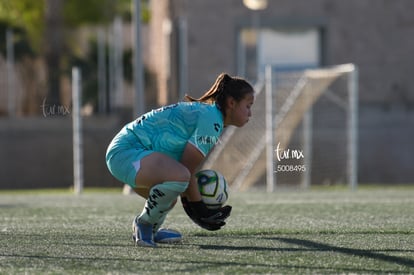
[165, 235]
[142, 233]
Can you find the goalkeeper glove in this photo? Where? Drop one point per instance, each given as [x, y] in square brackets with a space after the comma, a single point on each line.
[209, 219]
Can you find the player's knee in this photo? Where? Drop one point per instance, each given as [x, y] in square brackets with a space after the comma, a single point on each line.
[184, 174]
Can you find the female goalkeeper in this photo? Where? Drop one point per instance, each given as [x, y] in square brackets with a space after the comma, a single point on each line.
[158, 154]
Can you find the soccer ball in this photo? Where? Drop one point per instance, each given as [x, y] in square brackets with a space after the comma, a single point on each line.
[213, 188]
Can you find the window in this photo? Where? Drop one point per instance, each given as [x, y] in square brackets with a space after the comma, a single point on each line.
[284, 49]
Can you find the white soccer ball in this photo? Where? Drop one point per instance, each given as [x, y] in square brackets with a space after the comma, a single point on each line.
[213, 188]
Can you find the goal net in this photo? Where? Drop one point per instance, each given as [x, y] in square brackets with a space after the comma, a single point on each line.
[303, 131]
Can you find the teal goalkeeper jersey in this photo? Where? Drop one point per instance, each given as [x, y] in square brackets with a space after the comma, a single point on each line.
[170, 128]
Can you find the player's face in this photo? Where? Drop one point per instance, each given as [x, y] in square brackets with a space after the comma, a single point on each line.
[238, 113]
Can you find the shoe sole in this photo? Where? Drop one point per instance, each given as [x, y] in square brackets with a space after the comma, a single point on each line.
[164, 241]
[144, 244]
[170, 240]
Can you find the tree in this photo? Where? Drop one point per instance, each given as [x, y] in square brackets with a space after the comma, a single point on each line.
[46, 21]
[26, 15]
[53, 48]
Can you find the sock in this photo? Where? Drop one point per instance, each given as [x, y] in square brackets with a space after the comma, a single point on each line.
[162, 218]
[158, 224]
[160, 199]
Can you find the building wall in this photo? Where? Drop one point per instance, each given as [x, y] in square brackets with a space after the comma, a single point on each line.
[37, 152]
[376, 35]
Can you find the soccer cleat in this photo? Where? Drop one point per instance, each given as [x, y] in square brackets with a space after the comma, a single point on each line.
[165, 235]
[142, 233]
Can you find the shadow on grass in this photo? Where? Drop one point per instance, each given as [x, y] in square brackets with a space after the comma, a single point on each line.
[349, 251]
[311, 246]
[185, 265]
[9, 205]
[276, 266]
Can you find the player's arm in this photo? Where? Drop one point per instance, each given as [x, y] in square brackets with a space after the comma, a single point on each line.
[192, 159]
[191, 199]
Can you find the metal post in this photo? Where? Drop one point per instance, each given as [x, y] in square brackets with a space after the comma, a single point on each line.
[102, 78]
[353, 129]
[259, 47]
[118, 66]
[77, 131]
[183, 61]
[241, 55]
[11, 89]
[270, 183]
[111, 70]
[307, 144]
[139, 99]
[307, 148]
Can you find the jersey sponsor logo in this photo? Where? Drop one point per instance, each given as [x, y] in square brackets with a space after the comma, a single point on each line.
[203, 140]
[217, 127]
[207, 140]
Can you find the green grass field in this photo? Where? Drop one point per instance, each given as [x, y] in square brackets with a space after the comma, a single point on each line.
[321, 231]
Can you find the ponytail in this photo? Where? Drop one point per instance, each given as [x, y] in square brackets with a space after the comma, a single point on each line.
[224, 86]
